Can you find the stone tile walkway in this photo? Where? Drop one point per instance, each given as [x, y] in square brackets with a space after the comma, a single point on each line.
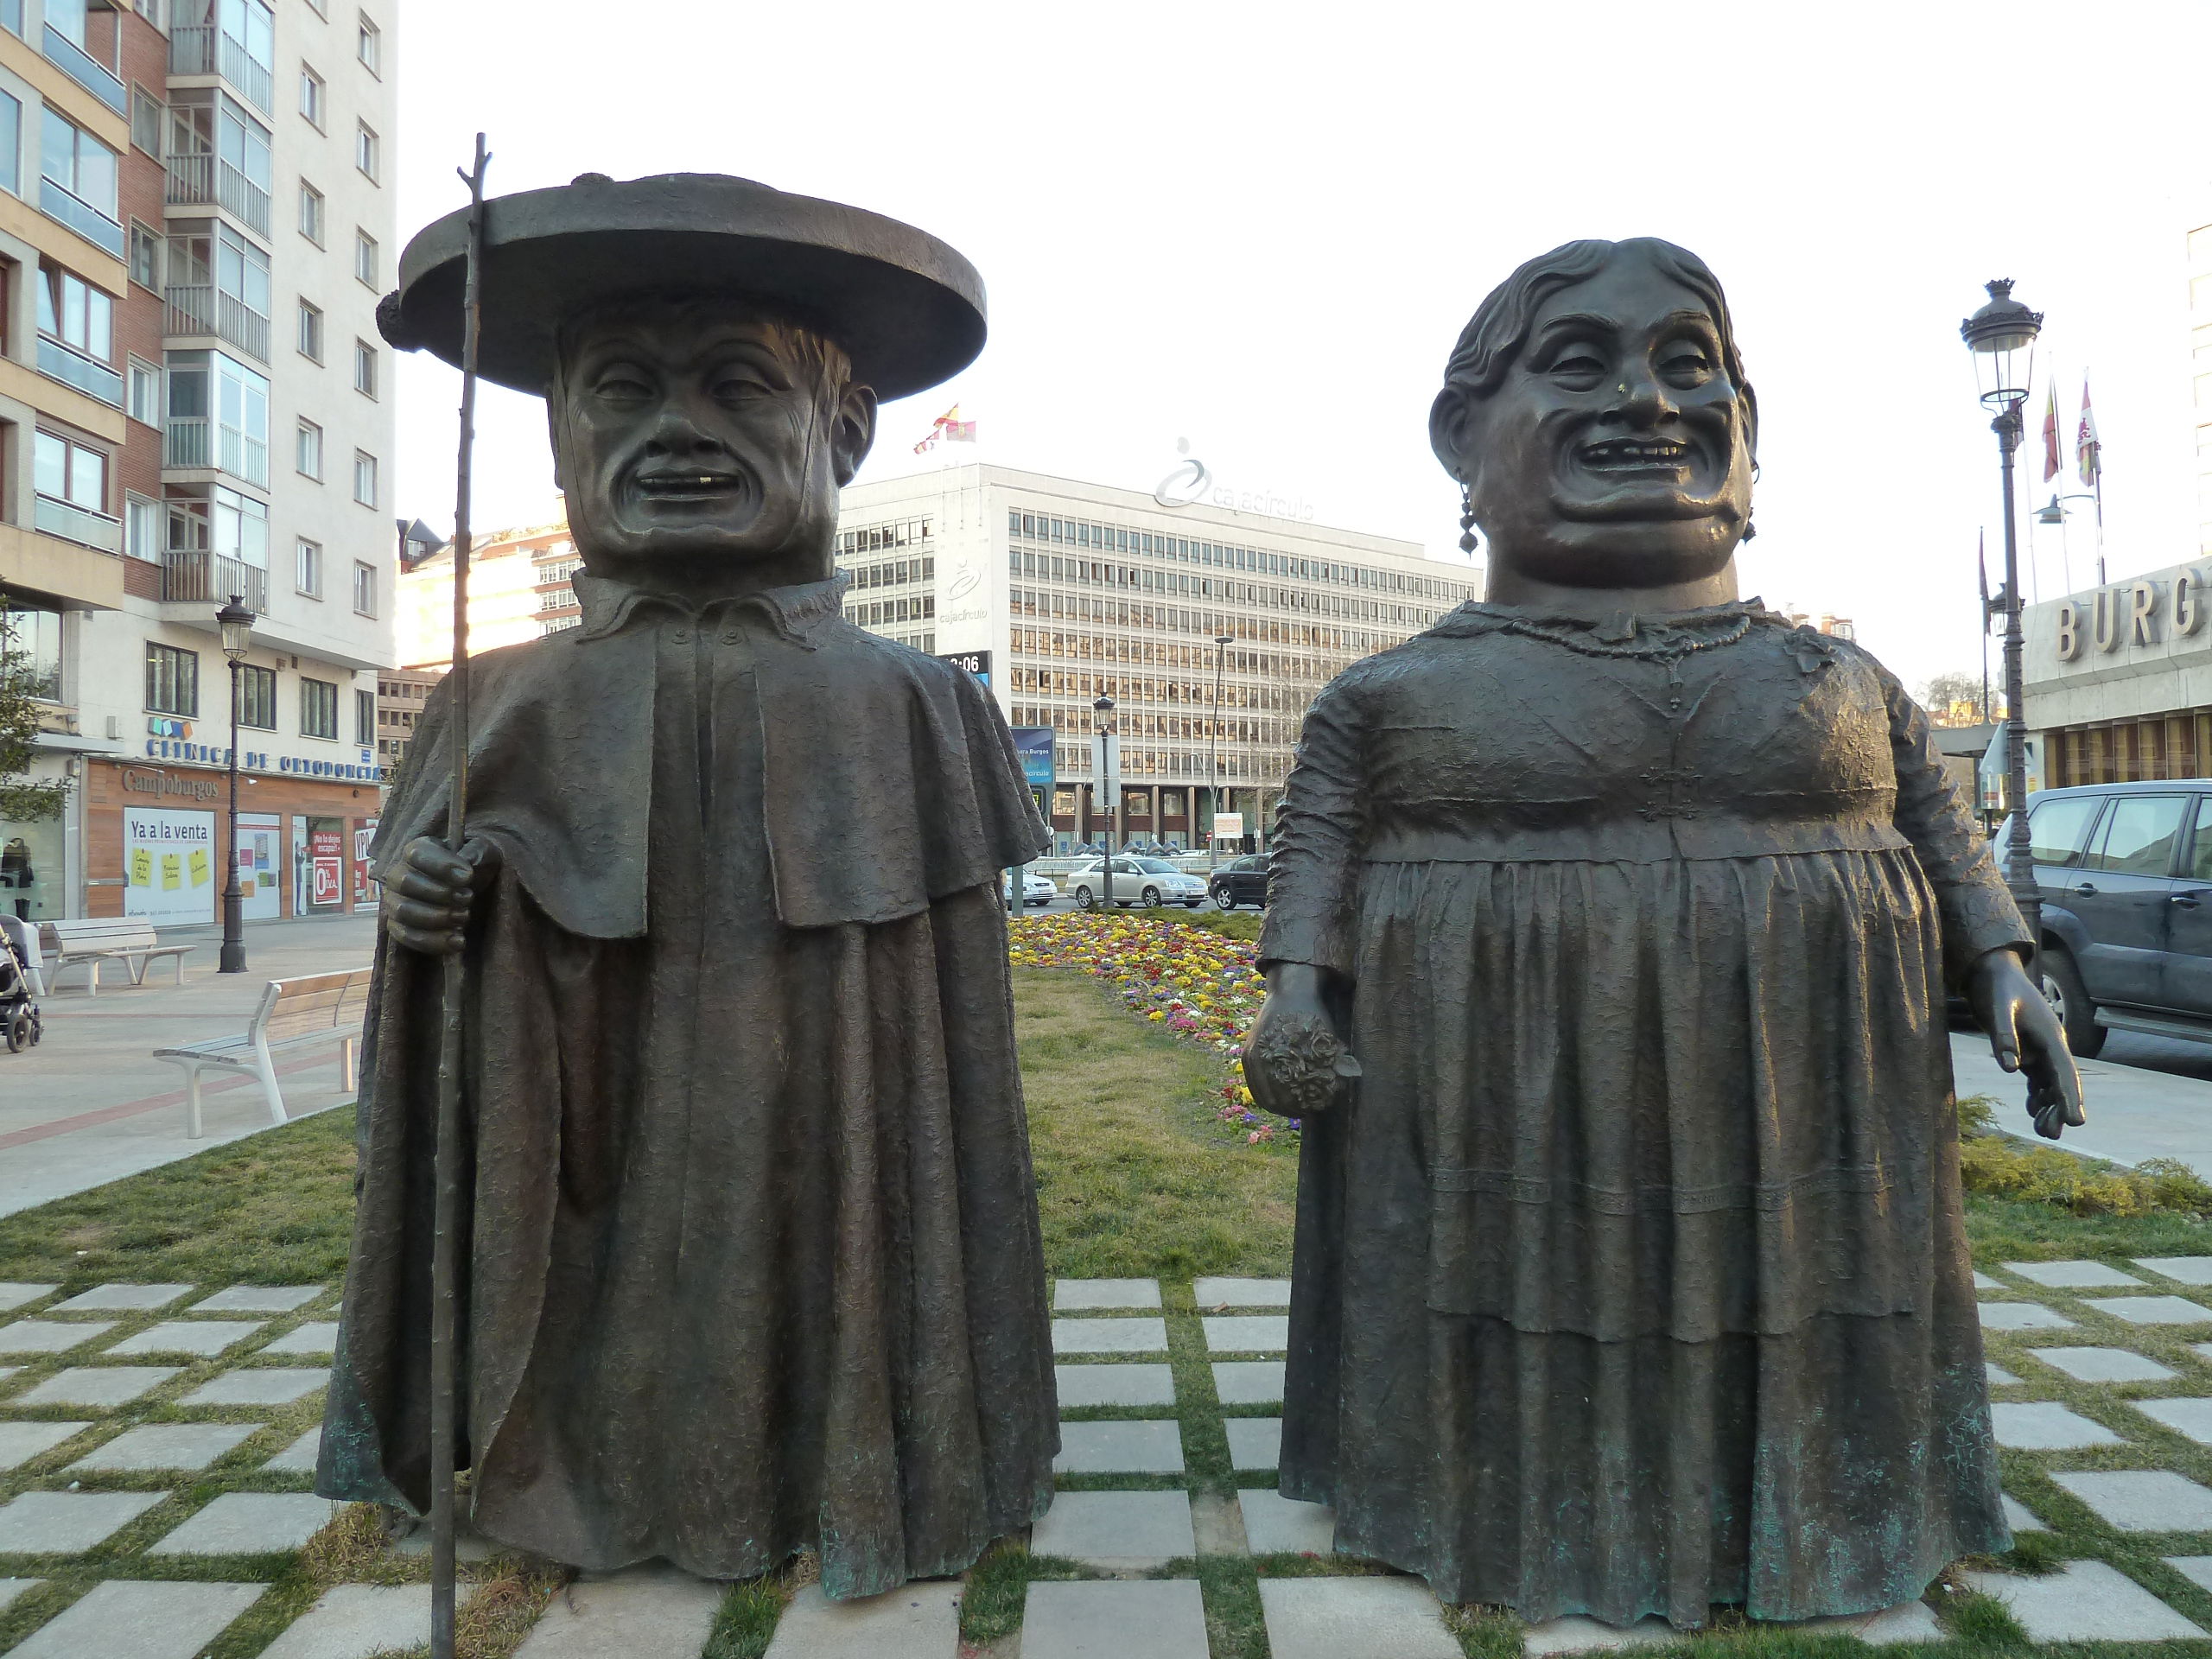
[145, 1508]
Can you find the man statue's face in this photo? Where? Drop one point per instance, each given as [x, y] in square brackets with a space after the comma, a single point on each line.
[702, 432]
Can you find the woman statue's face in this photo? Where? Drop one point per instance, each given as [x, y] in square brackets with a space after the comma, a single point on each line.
[1616, 452]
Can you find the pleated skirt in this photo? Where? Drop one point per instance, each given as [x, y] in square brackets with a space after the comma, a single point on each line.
[1634, 1279]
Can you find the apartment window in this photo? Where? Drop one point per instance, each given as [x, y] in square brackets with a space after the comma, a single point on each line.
[80, 164]
[65, 470]
[142, 529]
[318, 707]
[311, 95]
[172, 680]
[368, 45]
[365, 478]
[310, 330]
[365, 717]
[367, 152]
[307, 455]
[218, 416]
[258, 697]
[145, 393]
[146, 112]
[364, 257]
[365, 368]
[310, 212]
[365, 590]
[34, 633]
[146, 255]
[11, 143]
[75, 312]
[308, 569]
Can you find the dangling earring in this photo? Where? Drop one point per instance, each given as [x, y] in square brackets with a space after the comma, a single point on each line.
[1466, 519]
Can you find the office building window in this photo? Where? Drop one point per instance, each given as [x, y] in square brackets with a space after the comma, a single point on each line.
[365, 478]
[172, 680]
[365, 590]
[307, 456]
[366, 153]
[146, 255]
[365, 717]
[318, 707]
[310, 331]
[309, 580]
[145, 393]
[364, 257]
[311, 95]
[311, 212]
[369, 47]
[365, 368]
[142, 529]
[258, 697]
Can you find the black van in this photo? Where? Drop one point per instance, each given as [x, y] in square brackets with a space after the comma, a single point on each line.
[2126, 875]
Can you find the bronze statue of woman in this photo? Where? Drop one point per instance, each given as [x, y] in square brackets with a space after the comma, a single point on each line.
[1631, 1275]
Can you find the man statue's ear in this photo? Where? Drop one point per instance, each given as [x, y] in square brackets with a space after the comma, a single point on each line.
[553, 403]
[853, 434]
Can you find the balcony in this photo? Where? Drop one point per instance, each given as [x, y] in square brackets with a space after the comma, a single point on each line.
[195, 441]
[72, 368]
[201, 181]
[196, 575]
[88, 71]
[200, 308]
[88, 221]
[203, 49]
[72, 522]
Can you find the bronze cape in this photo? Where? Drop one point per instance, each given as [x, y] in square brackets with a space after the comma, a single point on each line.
[739, 984]
[1634, 1279]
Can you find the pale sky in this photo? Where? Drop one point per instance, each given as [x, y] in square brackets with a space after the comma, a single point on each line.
[1261, 226]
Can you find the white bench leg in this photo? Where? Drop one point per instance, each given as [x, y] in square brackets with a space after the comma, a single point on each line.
[137, 967]
[347, 1078]
[92, 975]
[192, 1125]
[266, 1068]
[180, 971]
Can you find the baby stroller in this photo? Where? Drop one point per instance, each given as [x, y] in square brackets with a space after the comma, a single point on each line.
[21, 984]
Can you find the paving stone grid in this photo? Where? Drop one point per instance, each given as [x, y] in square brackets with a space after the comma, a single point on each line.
[158, 1443]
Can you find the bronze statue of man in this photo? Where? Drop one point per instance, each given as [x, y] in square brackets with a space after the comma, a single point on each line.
[1631, 1273]
[753, 1263]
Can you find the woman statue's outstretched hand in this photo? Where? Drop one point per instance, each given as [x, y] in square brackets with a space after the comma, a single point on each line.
[2026, 1036]
[1294, 1064]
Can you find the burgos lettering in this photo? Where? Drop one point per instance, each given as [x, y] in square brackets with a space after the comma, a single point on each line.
[2144, 611]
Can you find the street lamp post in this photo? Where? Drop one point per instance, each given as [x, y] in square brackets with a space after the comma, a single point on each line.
[1105, 709]
[236, 623]
[2002, 336]
[1213, 752]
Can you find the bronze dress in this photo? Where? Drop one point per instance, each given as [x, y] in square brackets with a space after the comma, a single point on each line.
[755, 1261]
[1634, 1278]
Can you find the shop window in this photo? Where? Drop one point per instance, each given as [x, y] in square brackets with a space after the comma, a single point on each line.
[172, 680]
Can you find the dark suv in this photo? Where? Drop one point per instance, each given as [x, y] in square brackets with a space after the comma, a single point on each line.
[2126, 875]
[1240, 881]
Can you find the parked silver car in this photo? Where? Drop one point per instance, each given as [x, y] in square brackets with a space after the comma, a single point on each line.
[1146, 882]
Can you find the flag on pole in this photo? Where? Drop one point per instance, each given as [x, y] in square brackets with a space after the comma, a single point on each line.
[2088, 450]
[2050, 460]
[948, 428]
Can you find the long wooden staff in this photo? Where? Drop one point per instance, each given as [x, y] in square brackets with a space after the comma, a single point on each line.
[445, 1243]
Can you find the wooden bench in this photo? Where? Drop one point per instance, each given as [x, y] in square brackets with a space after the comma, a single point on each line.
[93, 940]
[293, 1013]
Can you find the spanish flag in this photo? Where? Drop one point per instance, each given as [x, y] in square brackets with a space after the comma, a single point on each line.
[2052, 463]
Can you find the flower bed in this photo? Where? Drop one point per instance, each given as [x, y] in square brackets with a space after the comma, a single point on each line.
[1201, 986]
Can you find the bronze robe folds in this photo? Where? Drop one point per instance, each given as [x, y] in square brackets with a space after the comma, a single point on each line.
[753, 1258]
[1634, 1278]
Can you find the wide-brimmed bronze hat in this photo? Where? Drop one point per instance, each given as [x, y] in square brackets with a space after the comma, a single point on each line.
[906, 309]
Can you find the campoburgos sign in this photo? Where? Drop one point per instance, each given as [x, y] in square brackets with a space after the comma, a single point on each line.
[2147, 611]
[1191, 482]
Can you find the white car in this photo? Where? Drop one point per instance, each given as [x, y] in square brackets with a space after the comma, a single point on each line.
[1146, 882]
[1035, 889]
